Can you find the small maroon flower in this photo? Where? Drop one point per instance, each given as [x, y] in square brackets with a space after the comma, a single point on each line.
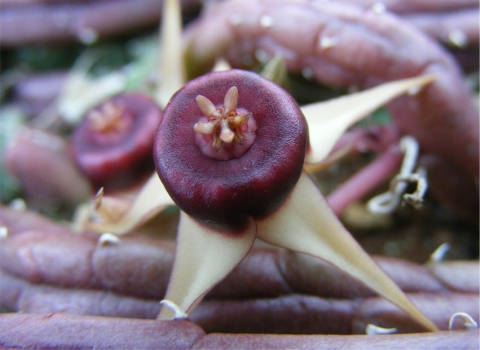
[230, 146]
[113, 144]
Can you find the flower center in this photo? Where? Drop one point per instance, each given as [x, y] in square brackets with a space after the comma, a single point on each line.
[108, 119]
[225, 132]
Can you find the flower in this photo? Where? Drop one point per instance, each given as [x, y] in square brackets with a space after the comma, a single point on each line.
[211, 242]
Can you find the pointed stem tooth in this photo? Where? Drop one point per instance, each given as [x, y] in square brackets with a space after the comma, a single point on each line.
[111, 208]
[388, 202]
[275, 70]
[97, 202]
[206, 106]
[306, 224]
[439, 253]
[107, 239]
[372, 329]
[179, 314]
[231, 100]
[203, 258]
[226, 134]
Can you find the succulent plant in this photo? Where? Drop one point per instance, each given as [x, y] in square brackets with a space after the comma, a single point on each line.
[230, 153]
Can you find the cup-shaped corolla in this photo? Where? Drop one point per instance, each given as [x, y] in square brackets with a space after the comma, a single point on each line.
[230, 146]
[113, 144]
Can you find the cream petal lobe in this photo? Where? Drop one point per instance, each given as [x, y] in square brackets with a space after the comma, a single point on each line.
[305, 223]
[327, 121]
[203, 257]
[172, 64]
[150, 200]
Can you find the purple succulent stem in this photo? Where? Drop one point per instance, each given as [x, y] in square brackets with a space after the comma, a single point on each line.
[71, 331]
[46, 268]
[53, 22]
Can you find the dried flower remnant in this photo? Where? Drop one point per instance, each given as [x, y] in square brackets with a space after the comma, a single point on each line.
[112, 145]
[388, 202]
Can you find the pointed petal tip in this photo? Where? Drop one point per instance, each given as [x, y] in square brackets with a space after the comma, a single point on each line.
[151, 199]
[306, 224]
[204, 256]
[171, 73]
[328, 120]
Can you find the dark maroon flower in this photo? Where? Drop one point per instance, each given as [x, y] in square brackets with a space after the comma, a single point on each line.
[230, 145]
[113, 144]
